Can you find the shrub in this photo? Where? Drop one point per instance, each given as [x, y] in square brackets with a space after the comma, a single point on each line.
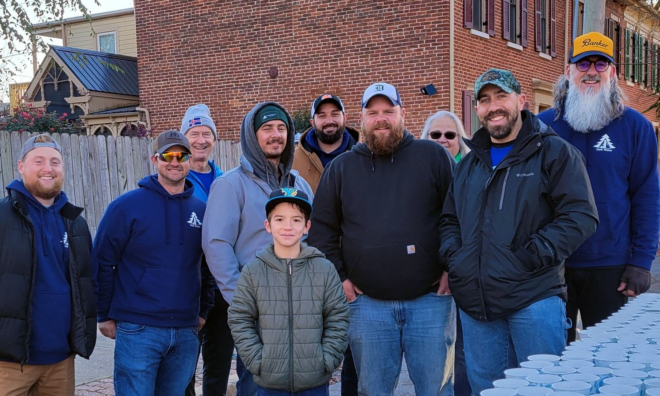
[29, 119]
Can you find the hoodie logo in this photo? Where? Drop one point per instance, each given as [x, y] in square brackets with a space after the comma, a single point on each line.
[194, 220]
[65, 240]
[604, 144]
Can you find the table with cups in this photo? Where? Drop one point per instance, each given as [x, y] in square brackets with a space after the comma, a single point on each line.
[618, 357]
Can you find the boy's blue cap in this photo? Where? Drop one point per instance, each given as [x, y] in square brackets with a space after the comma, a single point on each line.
[289, 195]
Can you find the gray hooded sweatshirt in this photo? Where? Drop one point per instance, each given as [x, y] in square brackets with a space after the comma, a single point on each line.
[234, 230]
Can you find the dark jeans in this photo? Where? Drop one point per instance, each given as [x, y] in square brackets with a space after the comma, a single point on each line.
[592, 291]
[323, 390]
[461, 383]
[349, 377]
[217, 347]
[245, 385]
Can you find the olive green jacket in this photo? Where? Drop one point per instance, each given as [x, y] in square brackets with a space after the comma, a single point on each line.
[301, 317]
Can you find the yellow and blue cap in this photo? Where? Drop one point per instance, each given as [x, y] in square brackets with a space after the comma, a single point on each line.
[591, 44]
[291, 195]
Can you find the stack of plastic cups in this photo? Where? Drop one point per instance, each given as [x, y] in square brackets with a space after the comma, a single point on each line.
[543, 380]
[519, 373]
[511, 383]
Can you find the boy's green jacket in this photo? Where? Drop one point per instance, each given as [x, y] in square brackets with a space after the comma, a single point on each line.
[302, 320]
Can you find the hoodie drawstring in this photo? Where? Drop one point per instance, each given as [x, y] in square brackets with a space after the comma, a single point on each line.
[373, 168]
[184, 219]
[43, 233]
[167, 222]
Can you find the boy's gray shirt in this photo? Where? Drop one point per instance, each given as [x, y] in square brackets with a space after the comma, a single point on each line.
[234, 231]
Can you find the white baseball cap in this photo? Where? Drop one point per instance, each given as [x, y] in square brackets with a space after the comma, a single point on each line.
[382, 89]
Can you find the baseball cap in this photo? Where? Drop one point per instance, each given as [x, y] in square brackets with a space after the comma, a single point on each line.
[590, 44]
[327, 98]
[168, 139]
[291, 195]
[382, 89]
[502, 78]
[45, 141]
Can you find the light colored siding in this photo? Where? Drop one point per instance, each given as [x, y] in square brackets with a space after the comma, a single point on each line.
[79, 35]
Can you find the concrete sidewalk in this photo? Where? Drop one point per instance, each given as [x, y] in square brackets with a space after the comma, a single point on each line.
[94, 376]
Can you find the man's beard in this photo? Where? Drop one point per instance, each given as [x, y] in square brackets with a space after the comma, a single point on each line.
[501, 131]
[330, 138]
[379, 144]
[590, 110]
[40, 191]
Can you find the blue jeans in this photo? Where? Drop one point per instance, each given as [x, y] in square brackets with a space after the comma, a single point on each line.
[538, 328]
[323, 390]
[245, 385]
[423, 329]
[153, 360]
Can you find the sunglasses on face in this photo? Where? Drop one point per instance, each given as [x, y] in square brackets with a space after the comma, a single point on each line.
[168, 157]
[585, 65]
[448, 135]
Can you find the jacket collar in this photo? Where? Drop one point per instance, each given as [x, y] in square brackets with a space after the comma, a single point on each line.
[18, 201]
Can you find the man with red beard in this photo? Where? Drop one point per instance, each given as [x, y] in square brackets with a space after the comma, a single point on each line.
[519, 205]
[325, 140]
[377, 217]
[47, 300]
[622, 160]
[234, 229]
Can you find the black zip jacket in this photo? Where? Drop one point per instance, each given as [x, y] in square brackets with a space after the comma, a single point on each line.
[18, 262]
[377, 218]
[506, 232]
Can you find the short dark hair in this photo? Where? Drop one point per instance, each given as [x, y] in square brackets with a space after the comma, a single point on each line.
[297, 206]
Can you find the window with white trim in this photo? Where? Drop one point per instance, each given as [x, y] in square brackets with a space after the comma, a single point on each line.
[107, 42]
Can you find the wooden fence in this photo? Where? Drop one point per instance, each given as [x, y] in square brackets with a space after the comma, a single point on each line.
[98, 169]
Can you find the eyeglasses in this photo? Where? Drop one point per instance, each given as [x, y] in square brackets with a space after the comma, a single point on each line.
[448, 135]
[168, 157]
[585, 65]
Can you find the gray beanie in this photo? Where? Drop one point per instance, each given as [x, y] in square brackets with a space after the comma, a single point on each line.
[198, 115]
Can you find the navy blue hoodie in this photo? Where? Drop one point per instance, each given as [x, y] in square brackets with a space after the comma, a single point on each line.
[51, 299]
[622, 162]
[149, 247]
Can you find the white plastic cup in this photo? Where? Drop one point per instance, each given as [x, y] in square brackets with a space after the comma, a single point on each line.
[537, 365]
[605, 360]
[544, 357]
[648, 359]
[635, 383]
[601, 372]
[519, 373]
[580, 346]
[619, 390]
[565, 393]
[498, 392]
[652, 383]
[578, 355]
[543, 380]
[510, 383]
[637, 374]
[654, 374]
[573, 386]
[627, 366]
[652, 392]
[533, 391]
[576, 364]
[558, 370]
[591, 379]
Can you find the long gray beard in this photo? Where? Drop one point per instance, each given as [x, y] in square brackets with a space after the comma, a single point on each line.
[586, 111]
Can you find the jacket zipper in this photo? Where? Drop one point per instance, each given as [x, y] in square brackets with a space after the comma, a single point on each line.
[31, 291]
[290, 293]
[506, 178]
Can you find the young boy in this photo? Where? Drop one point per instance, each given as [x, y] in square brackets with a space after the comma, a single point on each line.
[289, 315]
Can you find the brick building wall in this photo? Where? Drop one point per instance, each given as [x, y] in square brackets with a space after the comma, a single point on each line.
[220, 53]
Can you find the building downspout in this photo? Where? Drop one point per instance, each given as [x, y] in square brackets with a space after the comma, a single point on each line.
[452, 104]
[65, 41]
[146, 115]
[567, 34]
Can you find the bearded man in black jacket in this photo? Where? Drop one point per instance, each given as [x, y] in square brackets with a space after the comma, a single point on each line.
[520, 203]
[376, 217]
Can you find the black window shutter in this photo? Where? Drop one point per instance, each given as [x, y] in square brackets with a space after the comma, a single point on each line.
[607, 28]
[467, 112]
[553, 28]
[524, 15]
[490, 17]
[506, 19]
[468, 14]
[537, 25]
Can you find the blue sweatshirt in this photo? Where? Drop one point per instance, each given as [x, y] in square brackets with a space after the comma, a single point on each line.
[51, 298]
[323, 156]
[622, 162]
[202, 189]
[148, 247]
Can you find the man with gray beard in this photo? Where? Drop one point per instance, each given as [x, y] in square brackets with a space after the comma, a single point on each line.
[377, 218]
[621, 154]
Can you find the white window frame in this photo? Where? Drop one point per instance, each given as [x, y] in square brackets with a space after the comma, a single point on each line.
[98, 40]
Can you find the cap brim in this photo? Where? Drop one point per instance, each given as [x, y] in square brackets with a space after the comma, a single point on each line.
[165, 147]
[271, 203]
[335, 101]
[590, 53]
[394, 102]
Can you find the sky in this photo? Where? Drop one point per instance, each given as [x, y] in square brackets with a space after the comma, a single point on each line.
[25, 75]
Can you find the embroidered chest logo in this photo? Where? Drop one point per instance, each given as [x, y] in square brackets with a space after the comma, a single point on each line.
[65, 240]
[604, 144]
[194, 220]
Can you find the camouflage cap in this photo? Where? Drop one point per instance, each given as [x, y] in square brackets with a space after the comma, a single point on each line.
[502, 78]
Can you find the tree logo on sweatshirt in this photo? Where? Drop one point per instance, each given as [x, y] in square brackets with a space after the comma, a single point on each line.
[194, 220]
[65, 240]
[604, 144]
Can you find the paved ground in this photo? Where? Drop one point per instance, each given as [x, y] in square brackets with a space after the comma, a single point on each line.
[94, 376]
